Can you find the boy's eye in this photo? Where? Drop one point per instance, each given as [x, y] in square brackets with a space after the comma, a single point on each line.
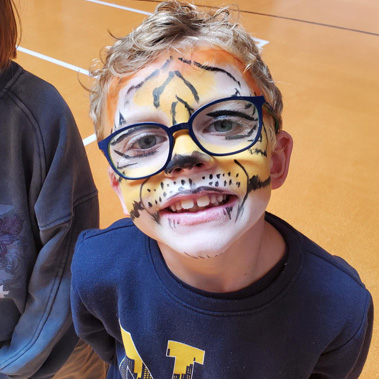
[146, 142]
[226, 128]
[139, 145]
[143, 143]
[223, 126]
[227, 125]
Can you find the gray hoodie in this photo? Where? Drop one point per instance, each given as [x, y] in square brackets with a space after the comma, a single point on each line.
[47, 197]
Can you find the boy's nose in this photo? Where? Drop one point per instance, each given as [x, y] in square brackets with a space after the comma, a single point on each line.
[187, 155]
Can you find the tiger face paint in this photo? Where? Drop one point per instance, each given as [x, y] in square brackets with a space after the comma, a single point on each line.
[200, 205]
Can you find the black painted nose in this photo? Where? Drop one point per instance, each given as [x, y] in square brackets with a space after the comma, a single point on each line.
[187, 162]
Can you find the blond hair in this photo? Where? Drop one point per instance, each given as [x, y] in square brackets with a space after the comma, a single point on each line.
[8, 32]
[172, 24]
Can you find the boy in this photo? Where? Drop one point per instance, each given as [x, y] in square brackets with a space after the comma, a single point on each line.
[209, 285]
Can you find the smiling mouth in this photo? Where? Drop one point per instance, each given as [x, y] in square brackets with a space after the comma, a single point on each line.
[198, 204]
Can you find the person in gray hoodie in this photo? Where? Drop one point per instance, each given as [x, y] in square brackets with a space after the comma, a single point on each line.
[47, 197]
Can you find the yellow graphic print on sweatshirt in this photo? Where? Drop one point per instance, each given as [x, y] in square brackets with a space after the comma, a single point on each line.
[185, 358]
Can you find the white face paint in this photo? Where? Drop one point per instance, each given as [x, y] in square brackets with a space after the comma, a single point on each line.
[201, 204]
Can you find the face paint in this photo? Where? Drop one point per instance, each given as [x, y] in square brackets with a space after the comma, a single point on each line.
[200, 204]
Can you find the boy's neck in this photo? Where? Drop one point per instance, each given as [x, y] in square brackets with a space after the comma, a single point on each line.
[245, 262]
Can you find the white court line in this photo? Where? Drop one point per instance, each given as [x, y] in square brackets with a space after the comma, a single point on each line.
[91, 138]
[119, 6]
[53, 60]
[260, 42]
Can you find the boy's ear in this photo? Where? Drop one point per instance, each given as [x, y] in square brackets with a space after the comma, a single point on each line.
[280, 159]
[116, 187]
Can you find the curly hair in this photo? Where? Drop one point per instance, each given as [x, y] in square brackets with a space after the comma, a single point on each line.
[176, 25]
[8, 32]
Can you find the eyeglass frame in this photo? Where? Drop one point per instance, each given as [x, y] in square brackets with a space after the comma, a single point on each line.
[258, 101]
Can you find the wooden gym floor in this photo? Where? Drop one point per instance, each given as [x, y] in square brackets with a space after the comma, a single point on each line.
[324, 56]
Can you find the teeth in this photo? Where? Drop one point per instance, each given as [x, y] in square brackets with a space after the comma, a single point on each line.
[214, 199]
[203, 201]
[188, 204]
[197, 204]
[173, 207]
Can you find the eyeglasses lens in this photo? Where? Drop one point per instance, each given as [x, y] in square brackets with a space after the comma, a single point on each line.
[222, 128]
[139, 151]
[227, 127]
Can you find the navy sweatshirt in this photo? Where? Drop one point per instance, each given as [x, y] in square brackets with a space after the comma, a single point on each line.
[309, 317]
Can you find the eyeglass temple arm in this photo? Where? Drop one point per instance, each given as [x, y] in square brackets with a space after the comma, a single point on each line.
[270, 110]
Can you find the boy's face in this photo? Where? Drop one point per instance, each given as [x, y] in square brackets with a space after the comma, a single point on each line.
[200, 205]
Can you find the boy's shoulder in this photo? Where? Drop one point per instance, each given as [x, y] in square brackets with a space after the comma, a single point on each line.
[124, 225]
[324, 288]
[291, 234]
[321, 275]
[104, 257]
[102, 244]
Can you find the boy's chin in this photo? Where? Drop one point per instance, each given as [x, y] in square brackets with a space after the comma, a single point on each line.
[204, 235]
[201, 249]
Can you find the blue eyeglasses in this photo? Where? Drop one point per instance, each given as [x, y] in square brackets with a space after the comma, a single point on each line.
[223, 127]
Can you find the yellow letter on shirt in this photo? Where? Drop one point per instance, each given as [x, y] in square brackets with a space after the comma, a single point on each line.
[134, 363]
[185, 357]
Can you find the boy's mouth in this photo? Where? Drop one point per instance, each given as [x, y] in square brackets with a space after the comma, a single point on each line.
[198, 204]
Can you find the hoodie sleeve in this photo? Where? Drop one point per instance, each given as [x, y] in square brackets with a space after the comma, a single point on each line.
[58, 200]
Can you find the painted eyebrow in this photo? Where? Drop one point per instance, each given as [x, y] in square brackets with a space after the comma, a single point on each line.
[231, 113]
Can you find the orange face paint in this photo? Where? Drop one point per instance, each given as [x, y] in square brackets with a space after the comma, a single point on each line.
[203, 79]
[198, 209]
